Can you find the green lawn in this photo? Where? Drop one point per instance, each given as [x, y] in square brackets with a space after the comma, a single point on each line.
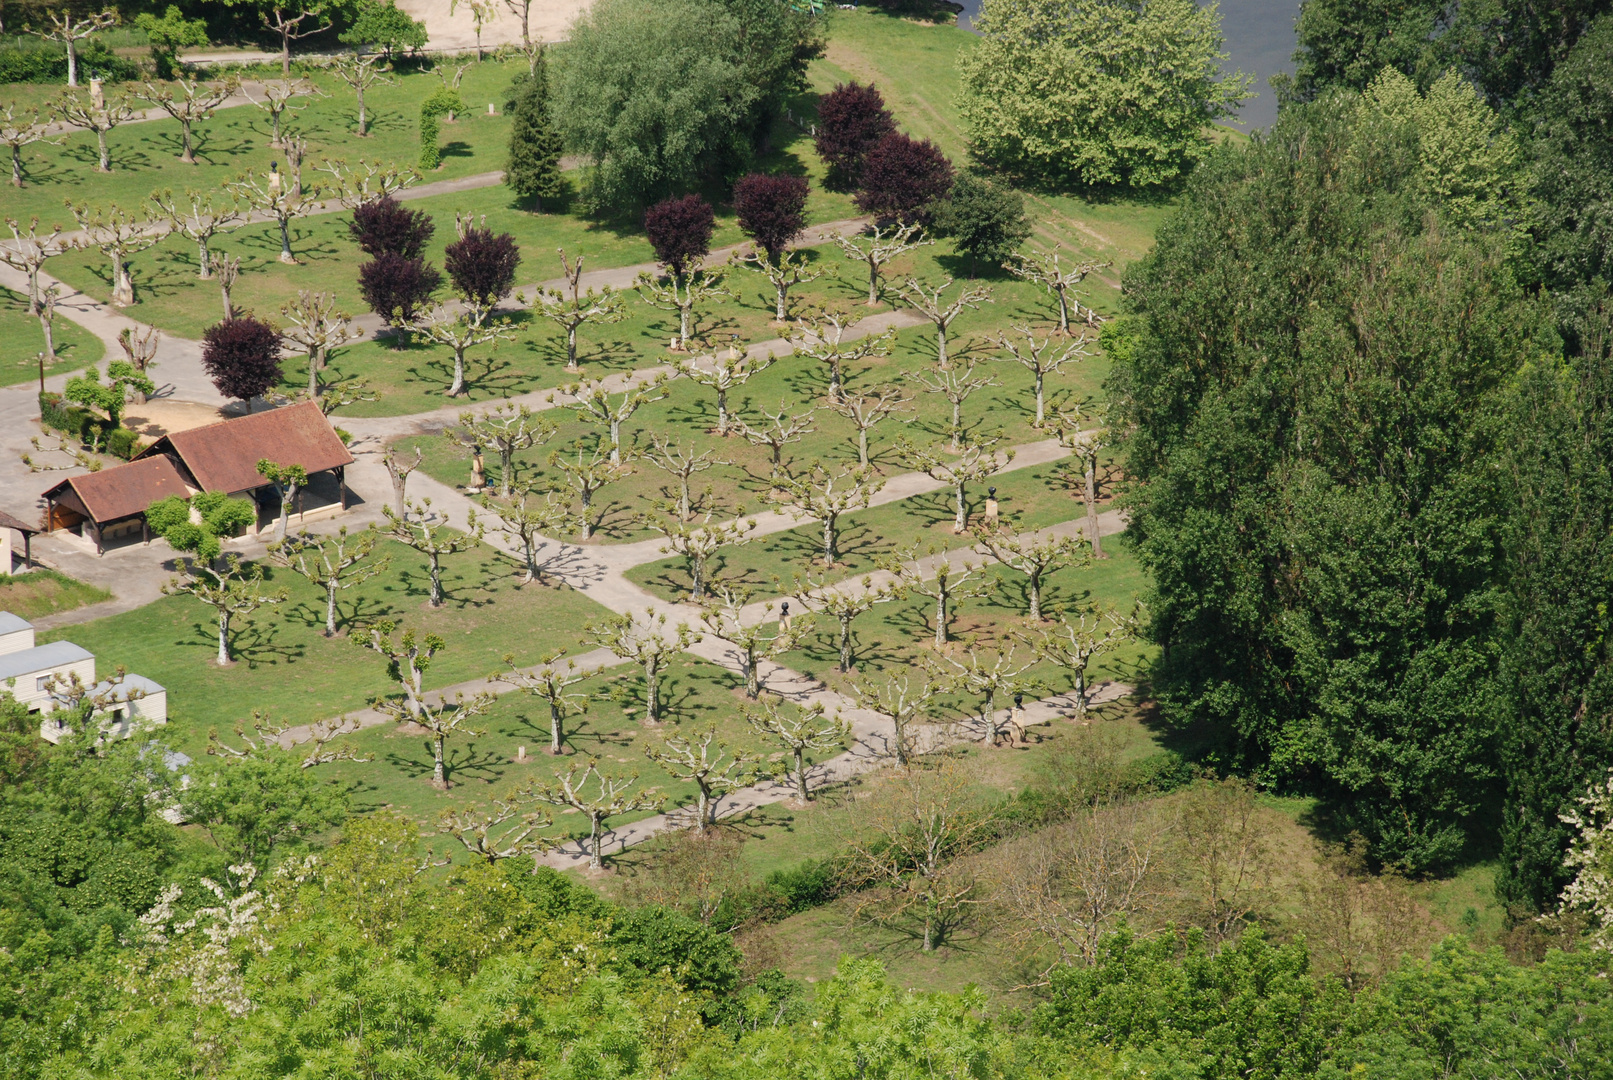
[42, 592]
[286, 667]
[22, 340]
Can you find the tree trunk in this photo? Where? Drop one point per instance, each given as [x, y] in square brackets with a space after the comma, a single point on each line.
[1081, 693]
[459, 373]
[205, 272]
[961, 522]
[285, 55]
[439, 775]
[783, 300]
[1035, 583]
[104, 163]
[845, 644]
[1089, 495]
[800, 775]
[571, 348]
[330, 607]
[72, 63]
[862, 447]
[703, 808]
[587, 514]
[748, 665]
[596, 822]
[873, 283]
[652, 690]
[16, 166]
[362, 133]
[286, 495]
[989, 721]
[285, 241]
[223, 637]
[957, 426]
[941, 345]
[1064, 311]
[940, 619]
[50, 340]
[122, 283]
[313, 374]
[615, 441]
[830, 554]
[555, 734]
[186, 154]
[697, 578]
[722, 412]
[229, 309]
[435, 564]
[1041, 411]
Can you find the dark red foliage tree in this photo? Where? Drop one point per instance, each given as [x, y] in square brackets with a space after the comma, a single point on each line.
[242, 357]
[386, 227]
[481, 264]
[680, 232]
[852, 118]
[771, 209]
[396, 287]
[902, 178]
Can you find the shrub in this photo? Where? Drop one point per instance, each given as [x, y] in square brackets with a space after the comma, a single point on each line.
[533, 168]
[481, 264]
[382, 25]
[441, 102]
[700, 958]
[985, 221]
[809, 885]
[852, 118]
[771, 209]
[242, 357]
[123, 443]
[386, 227]
[680, 231]
[47, 63]
[58, 415]
[395, 287]
[903, 177]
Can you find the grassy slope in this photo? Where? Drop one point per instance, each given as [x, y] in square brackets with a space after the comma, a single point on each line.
[45, 592]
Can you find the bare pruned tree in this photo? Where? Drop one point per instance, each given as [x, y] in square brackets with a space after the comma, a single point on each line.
[822, 337]
[931, 571]
[879, 245]
[776, 431]
[827, 495]
[753, 641]
[710, 764]
[461, 328]
[333, 563]
[270, 195]
[268, 737]
[503, 829]
[683, 293]
[1041, 360]
[96, 113]
[593, 400]
[570, 308]
[398, 468]
[783, 273]
[226, 269]
[991, 675]
[598, 796]
[725, 371]
[928, 301]
[198, 216]
[230, 591]
[844, 602]
[587, 475]
[1078, 639]
[867, 409]
[1087, 445]
[903, 697]
[551, 684]
[190, 101]
[955, 384]
[698, 542]
[361, 72]
[28, 250]
[1036, 555]
[506, 429]
[682, 464]
[526, 517]
[70, 27]
[1045, 268]
[432, 536]
[120, 236]
[369, 181]
[314, 323]
[798, 731]
[20, 126]
[645, 641]
[977, 459]
[408, 658]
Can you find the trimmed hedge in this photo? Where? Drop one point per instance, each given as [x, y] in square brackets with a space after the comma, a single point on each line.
[93, 431]
[48, 64]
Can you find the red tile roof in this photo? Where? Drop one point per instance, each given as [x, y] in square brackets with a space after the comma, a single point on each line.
[125, 490]
[225, 456]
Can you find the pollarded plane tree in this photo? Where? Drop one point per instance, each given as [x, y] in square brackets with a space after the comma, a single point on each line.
[877, 247]
[941, 313]
[368, 182]
[698, 542]
[268, 737]
[594, 401]
[977, 459]
[20, 126]
[190, 101]
[932, 572]
[1077, 640]
[904, 698]
[288, 480]
[1087, 446]
[644, 641]
[551, 684]
[432, 536]
[314, 324]
[120, 236]
[270, 195]
[783, 273]
[96, 113]
[525, 518]
[844, 602]
[570, 308]
[28, 250]
[333, 563]
[990, 674]
[1046, 268]
[868, 408]
[587, 475]
[503, 829]
[199, 216]
[682, 464]
[461, 329]
[1036, 555]
[711, 765]
[680, 232]
[287, 21]
[822, 337]
[47, 323]
[361, 72]
[230, 591]
[753, 642]
[598, 796]
[336, 396]
[1040, 359]
[69, 28]
[776, 431]
[827, 495]
[507, 430]
[398, 467]
[725, 371]
[799, 731]
[139, 346]
[407, 659]
[955, 383]
[225, 268]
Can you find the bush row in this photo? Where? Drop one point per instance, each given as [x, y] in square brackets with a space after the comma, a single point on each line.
[93, 431]
[48, 64]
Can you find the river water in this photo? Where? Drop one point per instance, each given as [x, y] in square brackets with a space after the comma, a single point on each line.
[1259, 42]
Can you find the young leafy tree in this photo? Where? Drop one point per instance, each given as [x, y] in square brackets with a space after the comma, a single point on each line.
[1077, 640]
[532, 170]
[828, 495]
[120, 236]
[844, 602]
[230, 592]
[221, 517]
[408, 658]
[361, 72]
[592, 470]
[333, 563]
[551, 684]
[288, 480]
[712, 766]
[109, 397]
[433, 537]
[903, 178]
[644, 642]
[380, 24]
[97, 114]
[985, 221]
[951, 584]
[199, 218]
[927, 301]
[878, 246]
[598, 797]
[70, 27]
[168, 35]
[852, 119]
[242, 357]
[570, 308]
[396, 288]
[977, 460]
[22, 126]
[316, 327]
[1106, 95]
[384, 226]
[753, 642]
[594, 401]
[798, 731]
[1046, 269]
[1035, 556]
[189, 102]
[482, 266]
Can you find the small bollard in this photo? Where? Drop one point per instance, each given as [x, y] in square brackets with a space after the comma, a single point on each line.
[490, 111]
[520, 753]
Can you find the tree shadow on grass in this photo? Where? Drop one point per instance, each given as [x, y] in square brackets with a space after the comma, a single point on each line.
[462, 763]
[123, 158]
[268, 242]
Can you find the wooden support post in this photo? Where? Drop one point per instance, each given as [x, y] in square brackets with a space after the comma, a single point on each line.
[341, 483]
[27, 551]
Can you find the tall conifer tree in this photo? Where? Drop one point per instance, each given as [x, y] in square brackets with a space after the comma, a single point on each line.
[533, 171]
